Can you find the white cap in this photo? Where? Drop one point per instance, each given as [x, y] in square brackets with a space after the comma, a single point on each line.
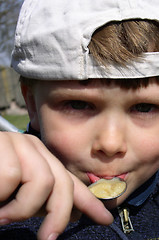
[52, 38]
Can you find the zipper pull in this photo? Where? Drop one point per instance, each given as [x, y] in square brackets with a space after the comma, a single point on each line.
[125, 220]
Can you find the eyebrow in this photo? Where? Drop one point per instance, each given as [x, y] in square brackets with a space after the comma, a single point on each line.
[75, 93]
[72, 93]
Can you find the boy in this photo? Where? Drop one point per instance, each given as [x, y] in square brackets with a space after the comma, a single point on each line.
[95, 127]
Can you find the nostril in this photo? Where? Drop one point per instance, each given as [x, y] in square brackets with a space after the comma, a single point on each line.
[108, 149]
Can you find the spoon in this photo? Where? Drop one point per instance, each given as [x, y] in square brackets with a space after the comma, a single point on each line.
[108, 189]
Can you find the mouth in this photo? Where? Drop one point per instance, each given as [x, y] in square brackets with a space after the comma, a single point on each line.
[93, 178]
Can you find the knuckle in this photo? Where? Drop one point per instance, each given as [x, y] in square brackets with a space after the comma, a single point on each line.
[12, 174]
[47, 182]
[35, 140]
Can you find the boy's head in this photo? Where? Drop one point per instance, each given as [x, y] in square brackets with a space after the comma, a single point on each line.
[108, 124]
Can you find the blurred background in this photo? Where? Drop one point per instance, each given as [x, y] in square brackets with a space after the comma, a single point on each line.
[12, 106]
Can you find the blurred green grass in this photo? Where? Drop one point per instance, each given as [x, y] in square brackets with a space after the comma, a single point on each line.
[20, 121]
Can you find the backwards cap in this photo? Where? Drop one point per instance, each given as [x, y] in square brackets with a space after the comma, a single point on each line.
[52, 38]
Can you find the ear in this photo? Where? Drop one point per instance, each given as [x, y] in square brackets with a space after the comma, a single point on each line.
[28, 95]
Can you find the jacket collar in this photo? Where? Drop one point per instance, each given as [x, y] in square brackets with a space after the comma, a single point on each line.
[138, 197]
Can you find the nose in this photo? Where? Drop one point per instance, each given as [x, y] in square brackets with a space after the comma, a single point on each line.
[110, 139]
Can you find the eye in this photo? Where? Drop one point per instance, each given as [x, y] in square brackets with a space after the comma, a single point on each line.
[79, 105]
[144, 108]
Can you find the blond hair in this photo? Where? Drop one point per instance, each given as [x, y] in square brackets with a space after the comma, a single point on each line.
[121, 42]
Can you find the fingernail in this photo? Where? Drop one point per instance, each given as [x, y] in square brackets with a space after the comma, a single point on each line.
[4, 221]
[53, 236]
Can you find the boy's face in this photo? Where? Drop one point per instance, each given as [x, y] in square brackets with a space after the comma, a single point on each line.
[100, 129]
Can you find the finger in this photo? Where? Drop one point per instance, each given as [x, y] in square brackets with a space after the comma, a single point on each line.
[88, 204]
[59, 205]
[59, 208]
[10, 170]
[37, 184]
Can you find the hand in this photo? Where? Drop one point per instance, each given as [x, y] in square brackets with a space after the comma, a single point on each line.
[25, 161]
[60, 211]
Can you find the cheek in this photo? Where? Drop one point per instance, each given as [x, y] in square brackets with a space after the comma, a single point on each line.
[148, 151]
[64, 145]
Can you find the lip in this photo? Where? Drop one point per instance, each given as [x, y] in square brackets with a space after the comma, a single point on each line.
[93, 178]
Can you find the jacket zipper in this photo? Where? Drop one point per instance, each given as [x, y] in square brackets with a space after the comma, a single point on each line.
[125, 220]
